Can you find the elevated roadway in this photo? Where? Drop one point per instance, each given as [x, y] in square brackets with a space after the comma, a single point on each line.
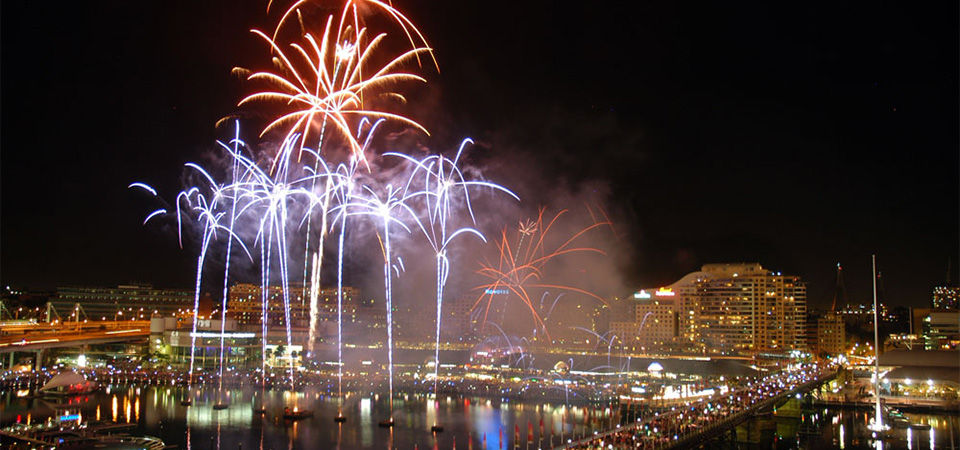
[40, 336]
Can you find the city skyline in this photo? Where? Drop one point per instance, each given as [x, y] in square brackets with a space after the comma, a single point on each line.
[710, 136]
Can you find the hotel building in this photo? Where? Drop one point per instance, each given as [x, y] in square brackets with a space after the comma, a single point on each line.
[722, 309]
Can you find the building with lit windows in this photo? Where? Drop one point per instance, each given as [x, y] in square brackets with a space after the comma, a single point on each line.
[826, 333]
[134, 301]
[723, 309]
[457, 323]
[655, 322]
[946, 297]
[245, 304]
[941, 329]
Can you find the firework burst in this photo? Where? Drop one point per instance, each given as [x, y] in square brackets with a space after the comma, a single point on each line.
[323, 78]
[521, 268]
[445, 187]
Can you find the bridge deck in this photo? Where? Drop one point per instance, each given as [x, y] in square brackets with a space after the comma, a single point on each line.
[71, 334]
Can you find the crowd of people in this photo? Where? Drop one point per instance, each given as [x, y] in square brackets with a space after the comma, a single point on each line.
[704, 416]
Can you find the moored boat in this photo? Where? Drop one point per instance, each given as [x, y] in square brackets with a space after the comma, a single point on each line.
[65, 384]
[296, 413]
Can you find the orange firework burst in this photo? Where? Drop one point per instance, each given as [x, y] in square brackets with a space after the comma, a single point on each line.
[521, 268]
[324, 81]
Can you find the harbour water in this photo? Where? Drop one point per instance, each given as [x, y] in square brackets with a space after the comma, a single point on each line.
[468, 422]
[848, 429]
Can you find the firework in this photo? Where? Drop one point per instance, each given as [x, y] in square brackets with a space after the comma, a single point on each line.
[322, 85]
[343, 193]
[323, 81]
[520, 269]
[445, 183]
[385, 207]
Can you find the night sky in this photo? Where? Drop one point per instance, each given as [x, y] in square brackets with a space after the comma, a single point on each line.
[789, 134]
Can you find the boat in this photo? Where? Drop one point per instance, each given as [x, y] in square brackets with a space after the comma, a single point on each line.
[220, 406]
[386, 423]
[67, 384]
[436, 428]
[120, 443]
[67, 433]
[296, 413]
[897, 419]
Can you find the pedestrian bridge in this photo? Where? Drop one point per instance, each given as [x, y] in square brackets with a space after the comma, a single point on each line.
[701, 421]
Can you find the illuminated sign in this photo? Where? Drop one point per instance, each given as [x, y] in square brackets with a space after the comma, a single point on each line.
[70, 417]
[641, 294]
[665, 292]
[496, 291]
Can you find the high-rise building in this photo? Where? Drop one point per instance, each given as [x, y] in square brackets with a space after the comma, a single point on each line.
[826, 333]
[456, 322]
[724, 308]
[745, 307]
[657, 321]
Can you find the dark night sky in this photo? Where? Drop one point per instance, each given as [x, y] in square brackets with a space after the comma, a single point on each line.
[793, 135]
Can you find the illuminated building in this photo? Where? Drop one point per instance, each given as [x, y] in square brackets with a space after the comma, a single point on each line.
[941, 330]
[826, 334]
[921, 378]
[655, 324]
[135, 301]
[946, 297]
[724, 308]
[456, 323]
[172, 338]
[245, 304]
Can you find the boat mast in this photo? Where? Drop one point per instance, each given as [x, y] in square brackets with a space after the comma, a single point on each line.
[876, 348]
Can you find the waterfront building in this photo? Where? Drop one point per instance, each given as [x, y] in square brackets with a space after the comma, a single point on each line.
[941, 329]
[723, 309]
[907, 341]
[132, 301]
[457, 324]
[655, 323]
[917, 378]
[830, 335]
[747, 308]
[245, 304]
[171, 339]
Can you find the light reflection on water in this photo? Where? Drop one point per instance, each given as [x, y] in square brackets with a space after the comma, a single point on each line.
[497, 423]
